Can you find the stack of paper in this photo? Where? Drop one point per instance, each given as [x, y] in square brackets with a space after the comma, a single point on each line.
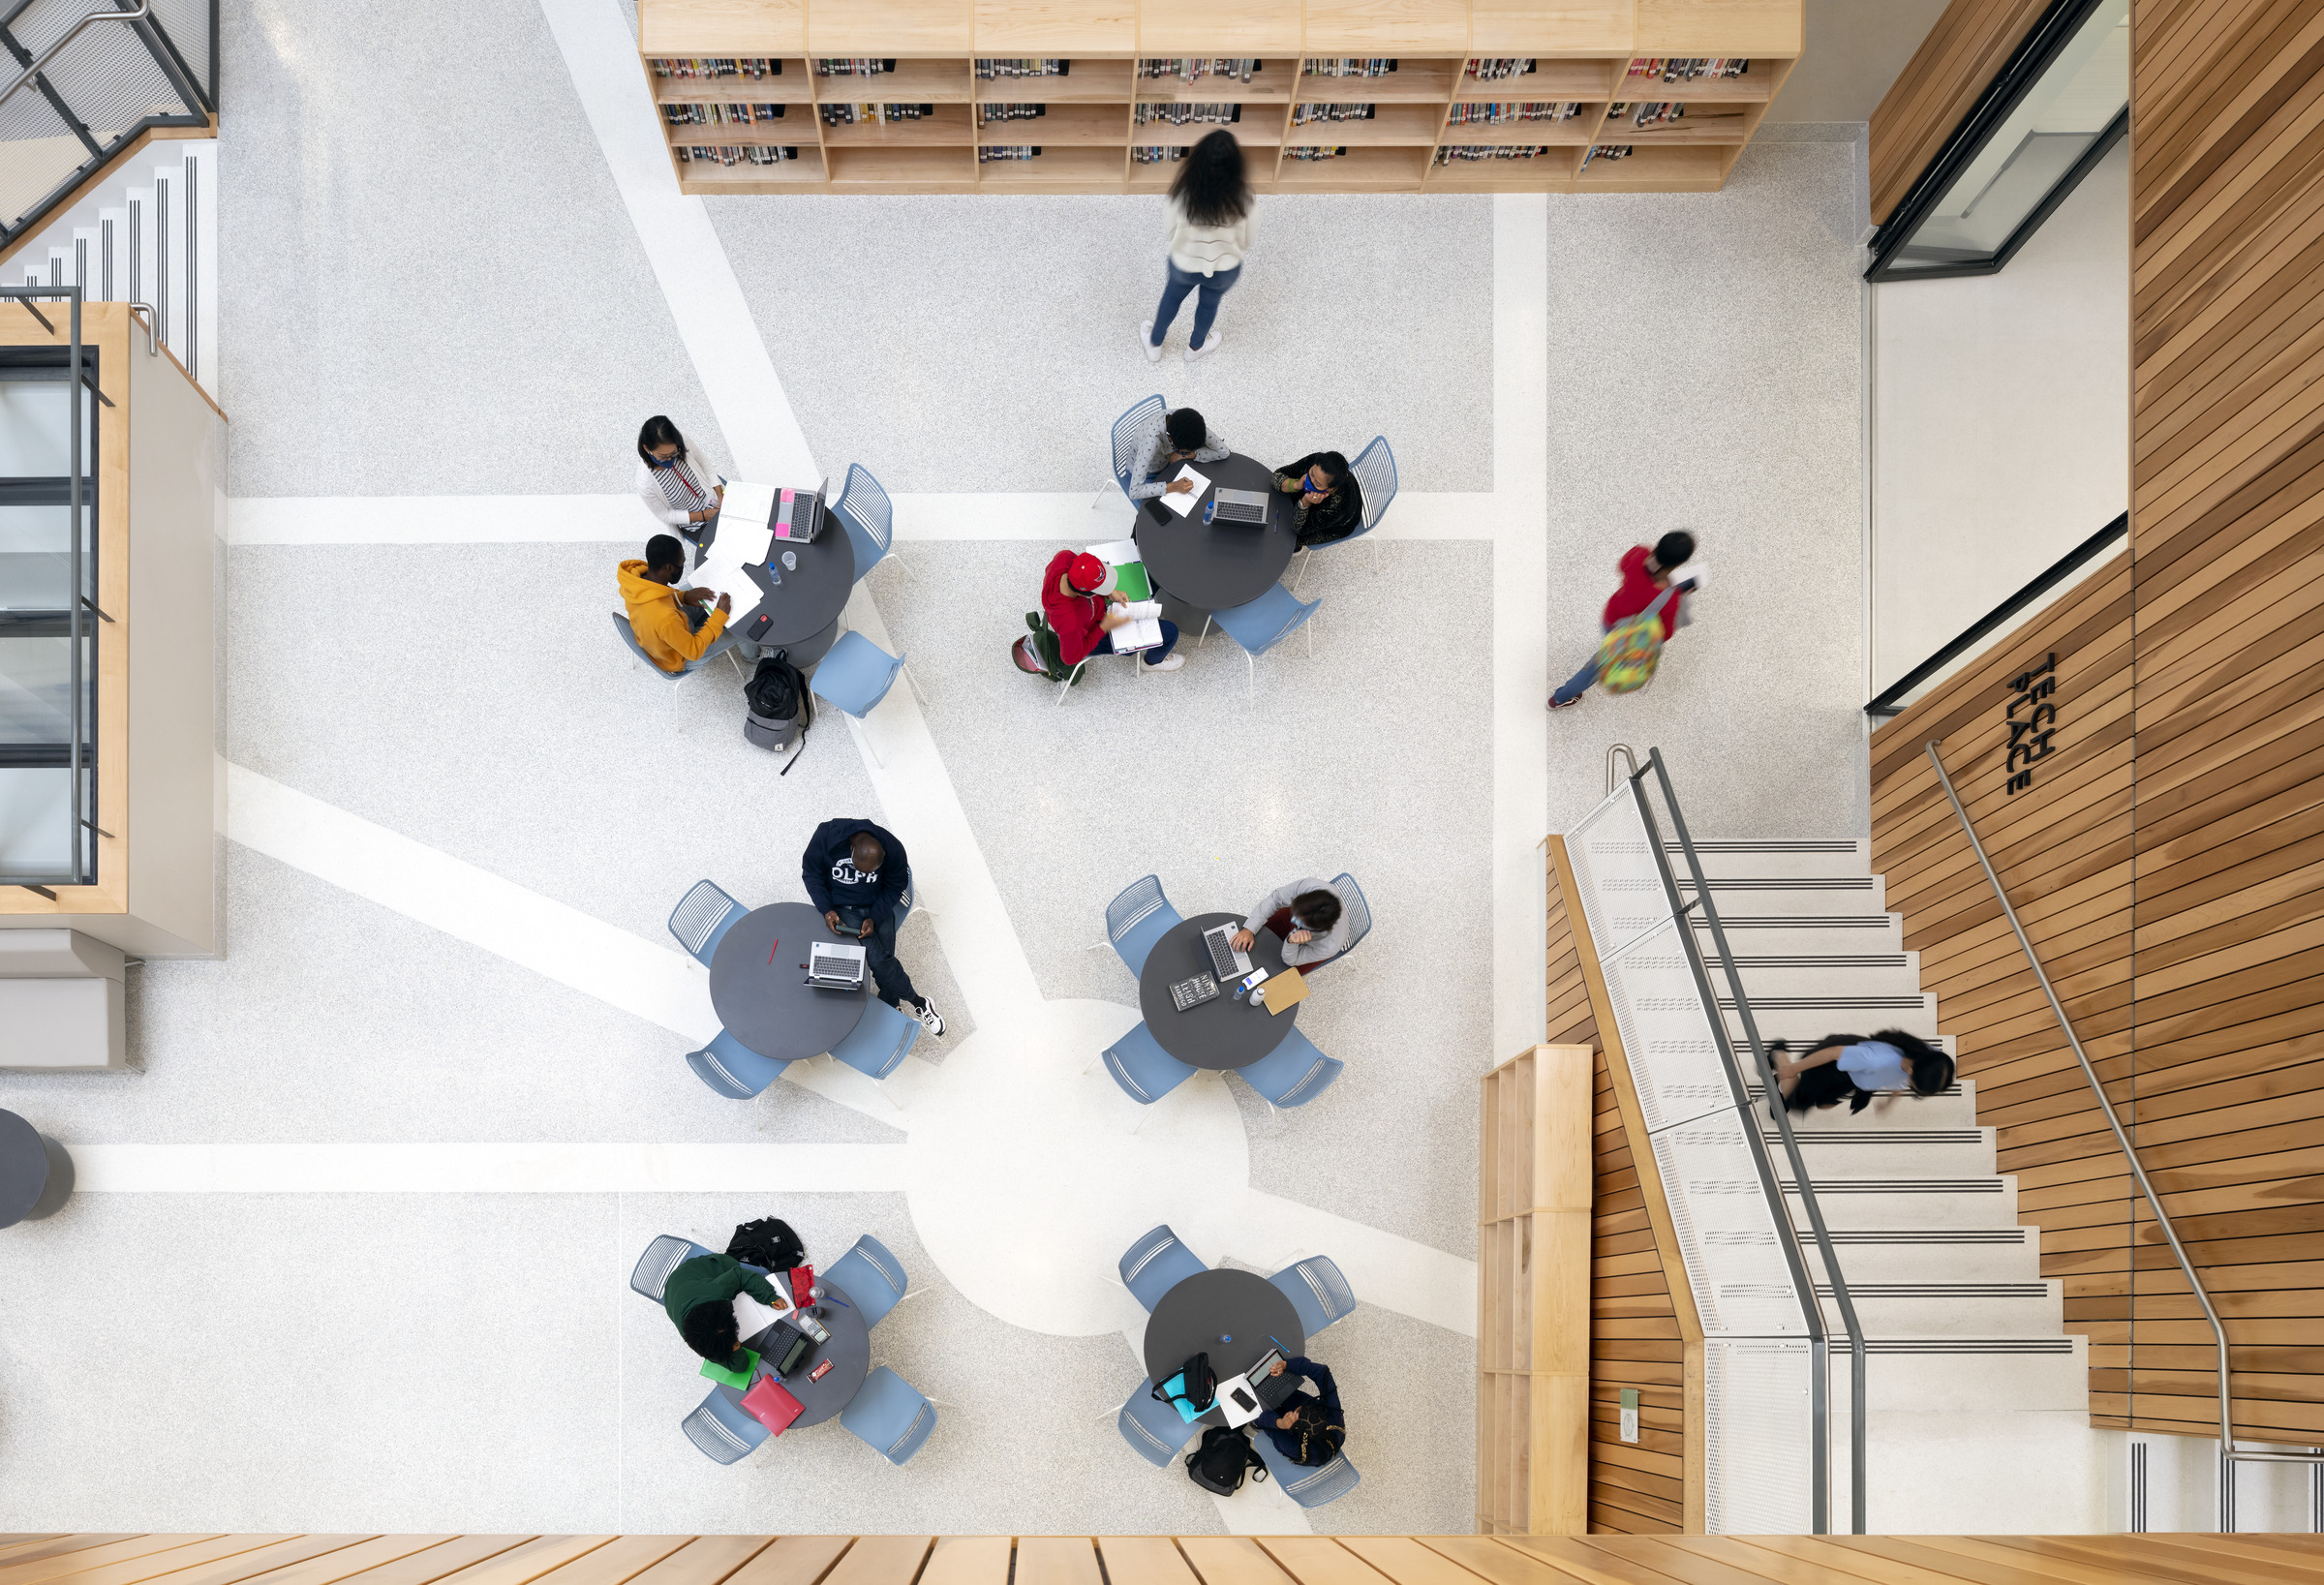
[746, 503]
[1184, 501]
[739, 544]
[1144, 629]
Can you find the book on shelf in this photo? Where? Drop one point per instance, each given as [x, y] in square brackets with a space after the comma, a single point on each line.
[1316, 151]
[854, 66]
[715, 66]
[1306, 114]
[698, 114]
[1650, 113]
[1348, 67]
[1451, 152]
[1492, 69]
[752, 155]
[874, 115]
[1168, 115]
[1152, 154]
[1191, 69]
[987, 114]
[991, 69]
[1491, 113]
[1603, 151]
[992, 153]
[1688, 69]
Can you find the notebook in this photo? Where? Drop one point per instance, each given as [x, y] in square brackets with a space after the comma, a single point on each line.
[736, 1378]
[1144, 629]
[1184, 501]
[771, 1404]
[745, 503]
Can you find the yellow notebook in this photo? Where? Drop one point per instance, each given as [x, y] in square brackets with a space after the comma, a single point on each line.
[1285, 989]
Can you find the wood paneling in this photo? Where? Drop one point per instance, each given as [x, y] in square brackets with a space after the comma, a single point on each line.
[1955, 64]
[2167, 859]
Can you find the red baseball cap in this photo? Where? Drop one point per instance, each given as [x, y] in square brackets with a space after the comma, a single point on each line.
[1089, 575]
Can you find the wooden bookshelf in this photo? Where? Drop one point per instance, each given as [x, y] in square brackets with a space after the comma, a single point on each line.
[1585, 54]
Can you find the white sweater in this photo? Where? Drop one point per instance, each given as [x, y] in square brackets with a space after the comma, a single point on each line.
[1207, 249]
[695, 470]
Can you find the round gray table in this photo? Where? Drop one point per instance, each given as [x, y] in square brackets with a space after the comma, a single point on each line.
[849, 1352]
[807, 600]
[1222, 1032]
[1213, 565]
[767, 1005]
[35, 1175]
[1209, 1305]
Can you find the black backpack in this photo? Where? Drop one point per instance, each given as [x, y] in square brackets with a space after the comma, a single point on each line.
[781, 709]
[1219, 1460]
[767, 1243]
[1198, 1385]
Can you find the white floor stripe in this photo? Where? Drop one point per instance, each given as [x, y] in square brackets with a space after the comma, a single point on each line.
[1392, 1272]
[487, 1168]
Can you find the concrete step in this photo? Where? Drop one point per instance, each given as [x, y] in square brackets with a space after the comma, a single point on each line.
[1758, 931]
[2033, 1372]
[1955, 1106]
[1867, 1202]
[1804, 1020]
[1809, 895]
[1796, 857]
[1912, 1254]
[1950, 1309]
[1901, 1153]
[2017, 1471]
[1807, 973]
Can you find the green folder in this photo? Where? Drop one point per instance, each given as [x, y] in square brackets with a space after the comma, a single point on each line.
[1129, 578]
[738, 1380]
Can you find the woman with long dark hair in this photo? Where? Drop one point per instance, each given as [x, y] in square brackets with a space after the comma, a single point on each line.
[678, 486]
[1852, 1068]
[1210, 230]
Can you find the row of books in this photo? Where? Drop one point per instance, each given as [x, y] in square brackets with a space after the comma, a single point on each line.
[1687, 70]
[1492, 114]
[700, 115]
[1006, 151]
[1348, 67]
[1655, 113]
[715, 66]
[1154, 156]
[854, 66]
[696, 154]
[1185, 115]
[1190, 69]
[987, 114]
[1305, 115]
[872, 116]
[1488, 151]
[1492, 69]
[1603, 151]
[1320, 151]
[989, 69]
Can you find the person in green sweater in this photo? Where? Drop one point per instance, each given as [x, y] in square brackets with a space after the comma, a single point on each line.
[699, 1297]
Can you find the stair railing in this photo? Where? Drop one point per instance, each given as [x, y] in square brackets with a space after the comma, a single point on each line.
[2229, 1453]
[143, 10]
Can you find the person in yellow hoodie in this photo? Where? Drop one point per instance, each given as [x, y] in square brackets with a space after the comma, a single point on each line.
[665, 617]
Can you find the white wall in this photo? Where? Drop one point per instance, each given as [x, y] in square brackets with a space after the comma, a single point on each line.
[2000, 419]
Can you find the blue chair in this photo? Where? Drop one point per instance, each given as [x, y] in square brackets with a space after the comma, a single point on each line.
[723, 647]
[1293, 1074]
[1134, 435]
[872, 1278]
[889, 1415]
[1143, 1070]
[663, 1256]
[1354, 911]
[1136, 920]
[1156, 1263]
[869, 518]
[1317, 1291]
[723, 1429]
[1375, 471]
[855, 676]
[1154, 1429]
[1262, 625]
[879, 1044]
[1307, 1487]
[733, 1069]
[702, 919]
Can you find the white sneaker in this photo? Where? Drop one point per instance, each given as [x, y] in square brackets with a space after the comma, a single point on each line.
[1209, 345]
[1166, 663]
[930, 1018]
[1145, 342]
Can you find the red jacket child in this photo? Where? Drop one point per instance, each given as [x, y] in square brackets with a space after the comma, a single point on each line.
[1074, 618]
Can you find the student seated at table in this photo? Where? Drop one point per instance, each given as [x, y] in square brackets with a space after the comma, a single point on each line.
[1184, 439]
[1305, 1428]
[671, 625]
[1311, 918]
[699, 1299]
[1079, 598]
[676, 485]
[855, 872]
[1330, 500]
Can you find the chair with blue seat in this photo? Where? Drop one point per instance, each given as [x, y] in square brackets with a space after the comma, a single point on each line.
[871, 1277]
[868, 516]
[1262, 625]
[1305, 1486]
[855, 676]
[723, 647]
[1156, 1263]
[1293, 1074]
[1375, 471]
[663, 1256]
[723, 1428]
[889, 1415]
[1317, 1291]
[1154, 1427]
[733, 1069]
[1354, 912]
[702, 919]
[1143, 1070]
[1136, 920]
[879, 1042]
[1134, 435]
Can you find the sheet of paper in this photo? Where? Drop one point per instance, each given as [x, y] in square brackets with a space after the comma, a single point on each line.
[1184, 501]
[745, 503]
[750, 1318]
[722, 573]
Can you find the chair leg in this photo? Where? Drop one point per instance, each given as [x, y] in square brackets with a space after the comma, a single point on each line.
[914, 684]
[1200, 642]
[863, 735]
[738, 662]
[1304, 558]
[902, 565]
[1309, 624]
[1250, 691]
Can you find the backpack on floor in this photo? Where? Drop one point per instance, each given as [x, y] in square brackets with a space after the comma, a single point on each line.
[778, 709]
[1037, 654]
[767, 1243]
[1192, 1391]
[1632, 647]
[1219, 1460]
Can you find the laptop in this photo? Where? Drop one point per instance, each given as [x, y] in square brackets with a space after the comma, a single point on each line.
[1247, 506]
[1272, 1390]
[835, 965]
[798, 520]
[1225, 961]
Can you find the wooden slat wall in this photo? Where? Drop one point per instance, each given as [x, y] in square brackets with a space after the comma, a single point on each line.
[1963, 54]
[2169, 860]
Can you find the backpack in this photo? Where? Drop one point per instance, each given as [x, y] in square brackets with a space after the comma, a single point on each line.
[779, 710]
[1219, 1460]
[1192, 1391]
[1627, 653]
[1037, 654]
[767, 1243]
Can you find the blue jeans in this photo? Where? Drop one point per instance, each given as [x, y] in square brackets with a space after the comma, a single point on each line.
[1206, 307]
[1170, 642]
[1581, 682]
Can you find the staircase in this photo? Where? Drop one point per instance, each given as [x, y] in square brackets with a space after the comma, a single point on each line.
[147, 236]
[1976, 1397]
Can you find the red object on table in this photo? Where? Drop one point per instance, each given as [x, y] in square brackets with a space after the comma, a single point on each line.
[803, 1279]
[771, 1404]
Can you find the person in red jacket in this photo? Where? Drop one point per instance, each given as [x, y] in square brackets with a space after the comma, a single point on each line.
[1082, 609]
[1645, 574]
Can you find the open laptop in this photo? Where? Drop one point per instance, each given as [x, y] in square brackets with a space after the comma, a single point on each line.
[799, 520]
[1225, 961]
[1245, 506]
[1271, 1390]
[835, 965]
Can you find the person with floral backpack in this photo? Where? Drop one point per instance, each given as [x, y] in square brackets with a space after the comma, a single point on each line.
[1640, 617]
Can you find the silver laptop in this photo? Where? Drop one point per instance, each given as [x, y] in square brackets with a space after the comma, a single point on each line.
[807, 517]
[1240, 505]
[835, 965]
[1225, 960]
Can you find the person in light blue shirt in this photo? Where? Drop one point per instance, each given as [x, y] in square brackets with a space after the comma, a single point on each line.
[1854, 1068]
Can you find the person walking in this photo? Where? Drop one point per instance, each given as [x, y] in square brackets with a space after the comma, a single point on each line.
[1647, 576]
[1209, 231]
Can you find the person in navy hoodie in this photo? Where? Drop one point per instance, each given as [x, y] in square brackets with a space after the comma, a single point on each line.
[856, 872]
[1307, 1429]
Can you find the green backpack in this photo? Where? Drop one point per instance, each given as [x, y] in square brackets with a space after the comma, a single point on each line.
[1627, 653]
[1038, 654]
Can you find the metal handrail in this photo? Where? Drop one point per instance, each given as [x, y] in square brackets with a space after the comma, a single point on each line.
[2228, 1451]
[1810, 1305]
[1613, 777]
[143, 10]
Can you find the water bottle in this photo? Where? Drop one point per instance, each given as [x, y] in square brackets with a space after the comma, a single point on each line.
[1208, 508]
